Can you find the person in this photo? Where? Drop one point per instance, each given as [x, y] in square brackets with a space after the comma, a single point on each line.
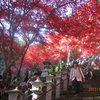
[33, 78]
[2, 86]
[63, 67]
[13, 81]
[6, 81]
[90, 70]
[76, 76]
[26, 76]
[29, 85]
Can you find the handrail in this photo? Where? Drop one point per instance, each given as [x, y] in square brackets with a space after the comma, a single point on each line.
[48, 90]
[27, 96]
[51, 88]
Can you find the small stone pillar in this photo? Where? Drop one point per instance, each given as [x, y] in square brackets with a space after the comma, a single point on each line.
[65, 79]
[45, 72]
[36, 88]
[69, 82]
[15, 94]
[49, 82]
[58, 87]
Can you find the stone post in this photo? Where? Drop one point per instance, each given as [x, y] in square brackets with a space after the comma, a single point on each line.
[69, 82]
[15, 94]
[49, 82]
[58, 87]
[65, 79]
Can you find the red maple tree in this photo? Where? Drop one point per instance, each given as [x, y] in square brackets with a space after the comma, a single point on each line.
[31, 19]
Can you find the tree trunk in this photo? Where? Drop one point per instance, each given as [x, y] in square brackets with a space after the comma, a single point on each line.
[22, 59]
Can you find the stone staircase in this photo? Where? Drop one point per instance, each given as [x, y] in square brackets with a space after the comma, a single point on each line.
[90, 89]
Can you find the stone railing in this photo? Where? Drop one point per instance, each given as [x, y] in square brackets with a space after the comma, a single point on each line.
[60, 78]
[37, 93]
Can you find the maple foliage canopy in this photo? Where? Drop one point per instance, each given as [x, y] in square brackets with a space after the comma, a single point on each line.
[27, 19]
[79, 31]
[74, 22]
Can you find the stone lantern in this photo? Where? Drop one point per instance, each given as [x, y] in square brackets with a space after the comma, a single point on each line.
[50, 79]
[14, 94]
[36, 88]
[45, 72]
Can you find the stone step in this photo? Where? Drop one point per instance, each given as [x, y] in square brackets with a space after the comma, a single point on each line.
[79, 98]
[82, 94]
